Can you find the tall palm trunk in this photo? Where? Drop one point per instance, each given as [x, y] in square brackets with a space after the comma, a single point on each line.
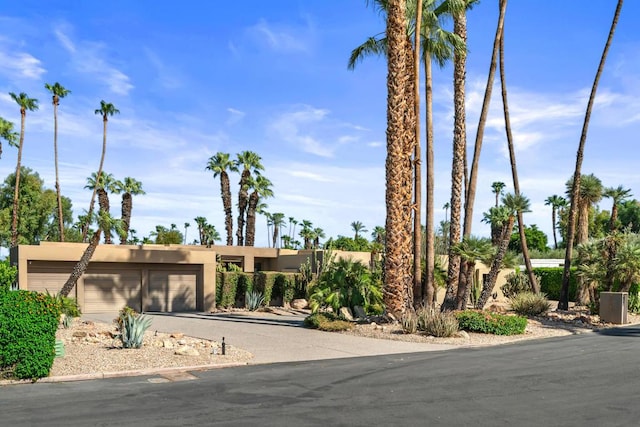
[16, 192]
[397, 284]
[553, 220]
[127, 206]
[82, 265]
[225, 188]
[55, 156]
[242, 206]
[563, 304]
[418, 295]
[496, 265]
[103, 200]
[254, 198]
[457, 169]
[98, 175]
[430, 256]
[514, 169]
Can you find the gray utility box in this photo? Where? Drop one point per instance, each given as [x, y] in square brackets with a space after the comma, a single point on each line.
[613, 307]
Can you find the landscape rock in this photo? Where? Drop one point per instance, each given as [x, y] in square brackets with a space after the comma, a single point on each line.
[176, 335]
[299, 304]
[463, 334]
[346, 313]
[80, 334]
[185, 350]
[167, 344]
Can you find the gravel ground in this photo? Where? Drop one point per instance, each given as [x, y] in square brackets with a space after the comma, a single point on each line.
[90, 347]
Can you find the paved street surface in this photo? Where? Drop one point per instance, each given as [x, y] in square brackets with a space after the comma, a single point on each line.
[583, 380]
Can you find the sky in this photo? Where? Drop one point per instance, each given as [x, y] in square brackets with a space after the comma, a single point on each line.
[203, 77]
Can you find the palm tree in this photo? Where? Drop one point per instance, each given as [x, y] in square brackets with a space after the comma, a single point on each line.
[497, 188]
[617, 195]
[318, 234]
[106, 110]
[129, 187]
[306, 233]
[219, 164]
[261, 190]
[458, 159]
[514, 170]
[470, 250]
[556, 202]
[358, 228]
[250, 162]
[103, 184]
[210, 235]
[496, 217]
[277, 219]
[8, 134]
[186, 225]
[378, 234]
[398, 293]
[105, 222]
[201, 222]
[563, 304]
[627, 263]
[57, 92]
[514, 204]
[25, 104]
[589, 194]
[473, 178]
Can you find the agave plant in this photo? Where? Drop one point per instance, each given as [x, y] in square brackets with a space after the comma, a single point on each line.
[132, 329]
[253, 300]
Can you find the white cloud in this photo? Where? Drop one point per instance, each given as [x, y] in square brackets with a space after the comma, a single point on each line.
[279, 38]
[235, 116]
[91, 58]
[20, 65]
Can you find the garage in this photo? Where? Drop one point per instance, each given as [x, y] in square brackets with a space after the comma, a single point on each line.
[109, 291]
[49, 277]
[171, 291]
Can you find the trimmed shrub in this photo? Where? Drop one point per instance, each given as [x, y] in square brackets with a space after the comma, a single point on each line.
[327, 322]
[551, 282]
[230, 285]
[28, 324]
[285, 286]
[530, 304]
[491, 323]
[264, 282]
[437, 323]
[8, 275]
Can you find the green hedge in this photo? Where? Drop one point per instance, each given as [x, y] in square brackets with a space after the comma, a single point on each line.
[491, 323]
[231, 287]
[551, 282]
[8, 275]
[28, 324]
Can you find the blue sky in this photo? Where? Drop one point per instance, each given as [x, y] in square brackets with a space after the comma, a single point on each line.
[193, 80]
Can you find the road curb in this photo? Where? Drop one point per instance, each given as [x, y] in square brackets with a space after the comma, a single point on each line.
[119, 374]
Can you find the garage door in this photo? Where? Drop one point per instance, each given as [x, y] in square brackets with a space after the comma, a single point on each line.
[109, 292]
[171, 291]
[48, 281]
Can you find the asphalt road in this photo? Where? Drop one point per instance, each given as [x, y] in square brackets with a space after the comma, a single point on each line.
[583, 380]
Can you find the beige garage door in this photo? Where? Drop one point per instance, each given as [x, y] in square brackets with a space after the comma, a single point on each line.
[106, 291]
[171, 291]
[48, 281]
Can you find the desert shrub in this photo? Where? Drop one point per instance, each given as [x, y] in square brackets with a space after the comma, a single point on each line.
[346, 283]
[530, 304]
[253, 300]
[285, 286]
[228, 287]
[327, 322]
[437, 323]
[634, 299]
[491, 323]
[124, 311]
[68, 306]
[28, 324]
[409, 323]
[551, 282]
[132, 329]
[516, 283]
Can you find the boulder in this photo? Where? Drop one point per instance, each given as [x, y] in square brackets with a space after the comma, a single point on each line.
[299, 304]
[185, 350]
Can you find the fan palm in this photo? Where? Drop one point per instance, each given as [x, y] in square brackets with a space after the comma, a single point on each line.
[556, 202]
[26, 104]
[470, 250]
[497, 188]
[129, 187]
[201, 222]
[106, 110]
[103, 184]
[250, 163]
[8, 134]
[57, 92]
[219, 164]
[563, 304]
[617, 195]
[261, 190]
[277, 219]
[358, 228]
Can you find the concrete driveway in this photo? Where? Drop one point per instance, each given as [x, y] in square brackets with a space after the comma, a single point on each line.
[275, 338]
